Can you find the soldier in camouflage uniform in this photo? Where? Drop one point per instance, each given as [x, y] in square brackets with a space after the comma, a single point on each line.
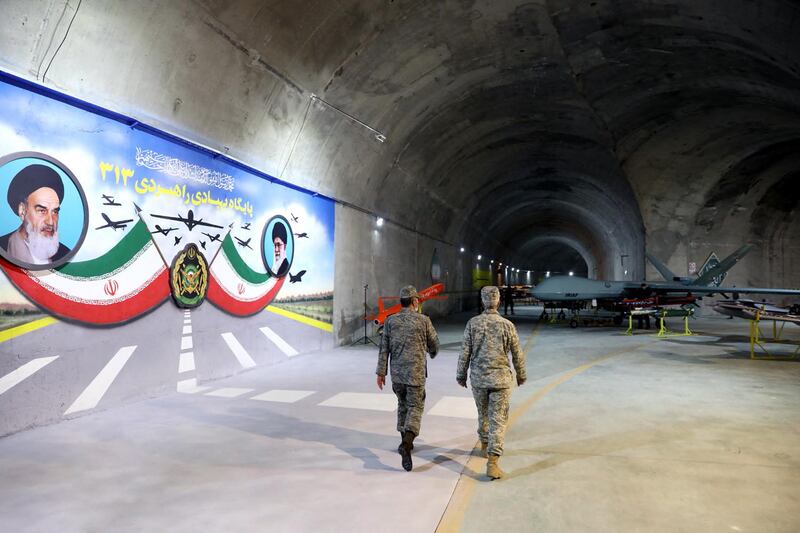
[407, 335]
[488, 338]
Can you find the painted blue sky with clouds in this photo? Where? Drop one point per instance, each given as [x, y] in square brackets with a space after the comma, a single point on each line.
[82, 140]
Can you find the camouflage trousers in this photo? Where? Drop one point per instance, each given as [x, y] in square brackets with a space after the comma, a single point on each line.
[410, 404]
[492, 407]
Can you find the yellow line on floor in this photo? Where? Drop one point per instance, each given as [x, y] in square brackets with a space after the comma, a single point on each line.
[453, 516]
[26, 328]
[324, 326]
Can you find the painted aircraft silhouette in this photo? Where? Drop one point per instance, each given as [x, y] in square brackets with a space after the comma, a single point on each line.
[425, 294]
[203, 244]
[294, 218]
[177, 240]
[297, 277]
[623, 295]
[244, 244]
[246, 227]
[114, 224]
[188, 220]
[109, 200]
[214, 238]
[301, 235]
[163, 231]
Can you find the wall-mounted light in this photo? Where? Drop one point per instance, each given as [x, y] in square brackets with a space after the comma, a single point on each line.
[462, 250]
[379, 222]
[479, 257]
[492, 261]
[571, 273]
[547, 275]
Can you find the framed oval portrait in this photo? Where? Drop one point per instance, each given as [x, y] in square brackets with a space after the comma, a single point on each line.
[277, 246]
[43, 211]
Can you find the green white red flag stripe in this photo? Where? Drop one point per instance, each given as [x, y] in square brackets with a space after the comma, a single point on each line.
[237, 288]
[127, 281]
[131, 279]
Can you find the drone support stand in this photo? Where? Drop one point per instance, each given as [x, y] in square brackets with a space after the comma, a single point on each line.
[365, 339]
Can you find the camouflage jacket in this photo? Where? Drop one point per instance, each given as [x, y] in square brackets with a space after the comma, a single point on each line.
[407, 335]
[488, 338]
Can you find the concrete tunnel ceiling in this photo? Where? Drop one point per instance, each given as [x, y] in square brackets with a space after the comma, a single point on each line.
[606, 127]
[609, 125]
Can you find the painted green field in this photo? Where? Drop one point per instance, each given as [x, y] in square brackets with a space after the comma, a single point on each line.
[12, 321]
[321, 310]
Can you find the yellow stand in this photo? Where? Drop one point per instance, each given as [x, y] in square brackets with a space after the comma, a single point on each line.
[755, 340]
[664, 332]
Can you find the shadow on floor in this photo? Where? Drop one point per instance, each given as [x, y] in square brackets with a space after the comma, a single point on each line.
[358, 444]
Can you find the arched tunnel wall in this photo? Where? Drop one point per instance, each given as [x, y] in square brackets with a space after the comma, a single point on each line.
[506, 128]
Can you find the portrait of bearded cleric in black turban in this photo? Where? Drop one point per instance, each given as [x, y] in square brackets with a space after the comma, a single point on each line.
[278, 246]
[35, 187]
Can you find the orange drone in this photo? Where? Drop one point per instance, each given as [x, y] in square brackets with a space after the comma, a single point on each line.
[383, 313]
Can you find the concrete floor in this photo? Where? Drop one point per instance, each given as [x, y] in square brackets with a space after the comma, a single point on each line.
[611, 433]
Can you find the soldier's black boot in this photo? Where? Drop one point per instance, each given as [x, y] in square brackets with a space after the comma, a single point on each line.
[405, 450]
[401, 443]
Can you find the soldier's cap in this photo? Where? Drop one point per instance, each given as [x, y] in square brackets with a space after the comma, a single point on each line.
[409, 291]
[31, 178]
[490, 295]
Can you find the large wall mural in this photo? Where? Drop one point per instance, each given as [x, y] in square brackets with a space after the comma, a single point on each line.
[101, 222]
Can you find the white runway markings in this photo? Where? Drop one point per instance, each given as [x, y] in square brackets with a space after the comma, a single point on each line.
[238, 350]
[92, 394]
[363, 400]
[186, 359]
[24, 372]
[279, 342]
[456, 407]
[229, 392]
[283, 396]
[186, 362]
[186, 343]
[189, 386]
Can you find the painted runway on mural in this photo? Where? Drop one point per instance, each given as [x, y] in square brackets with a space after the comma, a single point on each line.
[113, 375]
[111, 366]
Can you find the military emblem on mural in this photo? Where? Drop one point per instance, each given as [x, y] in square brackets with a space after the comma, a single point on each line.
[97, 218]
[189, 277]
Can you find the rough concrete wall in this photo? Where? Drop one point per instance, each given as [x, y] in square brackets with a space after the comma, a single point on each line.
[386, 259]
[506, 121]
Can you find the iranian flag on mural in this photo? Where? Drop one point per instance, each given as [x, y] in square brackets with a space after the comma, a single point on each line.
[127, 281]
[237, 288]
[133, 278]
